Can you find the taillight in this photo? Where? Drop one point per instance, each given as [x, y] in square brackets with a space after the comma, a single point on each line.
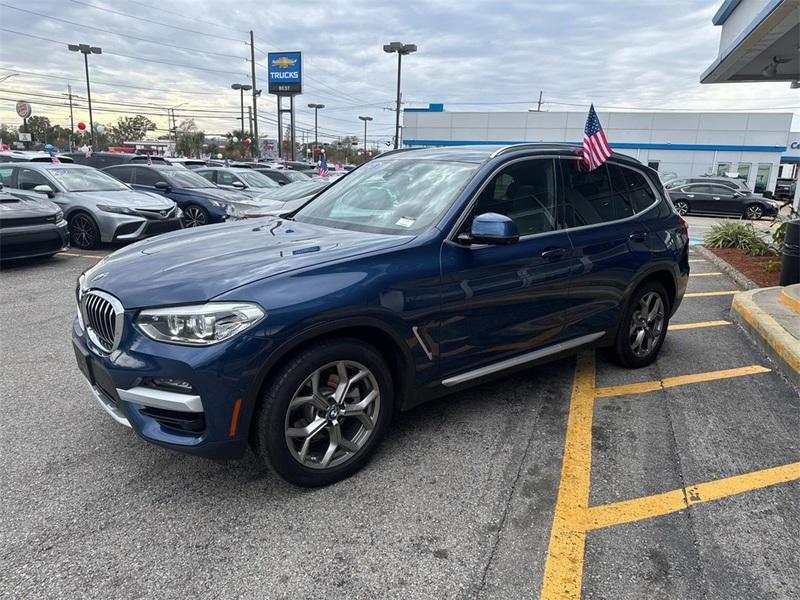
[684, 228]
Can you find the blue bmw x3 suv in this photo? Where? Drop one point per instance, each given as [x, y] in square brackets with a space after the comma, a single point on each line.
[416, 275]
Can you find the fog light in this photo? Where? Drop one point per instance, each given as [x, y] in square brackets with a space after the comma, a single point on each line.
[178, 385]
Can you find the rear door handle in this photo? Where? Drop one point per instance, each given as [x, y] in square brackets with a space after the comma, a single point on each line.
[638, 236]
[690, 195]
[554, 253]
[715, 197]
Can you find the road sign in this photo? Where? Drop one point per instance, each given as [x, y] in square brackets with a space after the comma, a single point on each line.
[23, 109]
[25, 137]
[285, 73]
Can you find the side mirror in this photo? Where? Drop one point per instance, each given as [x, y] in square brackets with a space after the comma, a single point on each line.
[491, 228]
[161, 185]
[238, 185]
[44, 189]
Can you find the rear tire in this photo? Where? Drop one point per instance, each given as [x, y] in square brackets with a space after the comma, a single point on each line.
[310, 430]
[83, 231]
[643, 327]
[682, 207]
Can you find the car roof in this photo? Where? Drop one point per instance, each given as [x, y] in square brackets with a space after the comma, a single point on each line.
[234, 169]
[46, 166]
[31, 156]
[480, 153]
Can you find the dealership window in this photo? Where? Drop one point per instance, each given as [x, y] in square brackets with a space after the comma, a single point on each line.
[744, 171]
[762, 177]
[653, 164]
[526, 193]
[722, 168]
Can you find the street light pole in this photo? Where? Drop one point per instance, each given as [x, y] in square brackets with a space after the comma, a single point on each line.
[401, 50]
[365, 119]
[316, 107]
[86, 50]
[242, 87]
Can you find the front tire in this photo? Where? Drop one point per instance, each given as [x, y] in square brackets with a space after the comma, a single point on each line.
[324, 413]
[195, 216]
[83, 231]
[644, 326]
[753, 212]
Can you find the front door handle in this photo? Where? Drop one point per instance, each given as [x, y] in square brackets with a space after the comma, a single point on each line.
[554, 253]
[715, 197]
[638, 236]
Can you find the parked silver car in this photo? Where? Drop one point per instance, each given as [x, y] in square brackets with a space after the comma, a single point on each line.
[97, 207]
[247, 181]
[286, 199]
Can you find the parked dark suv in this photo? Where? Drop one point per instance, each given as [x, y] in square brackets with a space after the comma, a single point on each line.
[100, 160]
[420, 273]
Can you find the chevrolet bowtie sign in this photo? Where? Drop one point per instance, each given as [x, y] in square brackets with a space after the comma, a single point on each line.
[284, 70]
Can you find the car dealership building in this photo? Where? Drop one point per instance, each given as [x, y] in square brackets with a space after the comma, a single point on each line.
[680, 143]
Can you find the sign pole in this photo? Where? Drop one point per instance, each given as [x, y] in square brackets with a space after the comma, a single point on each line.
[25, 125]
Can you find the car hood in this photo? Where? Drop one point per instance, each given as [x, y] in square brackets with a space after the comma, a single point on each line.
[23, 207]
[129, 198]
[195, 265]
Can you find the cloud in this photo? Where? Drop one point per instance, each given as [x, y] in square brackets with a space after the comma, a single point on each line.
[627, 54]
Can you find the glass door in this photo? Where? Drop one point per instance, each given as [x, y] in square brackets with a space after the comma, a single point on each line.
[762, 177]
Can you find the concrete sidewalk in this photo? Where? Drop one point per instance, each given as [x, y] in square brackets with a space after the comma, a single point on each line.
[771, 316]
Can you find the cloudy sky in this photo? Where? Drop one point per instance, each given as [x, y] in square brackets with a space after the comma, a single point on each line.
[473, 55]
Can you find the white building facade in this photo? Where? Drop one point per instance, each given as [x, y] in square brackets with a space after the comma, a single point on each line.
[681, 143]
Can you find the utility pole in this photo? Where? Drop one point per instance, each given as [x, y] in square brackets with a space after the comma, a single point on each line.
[254, 130]
[71, 119]
[539, 105]
[250, 126]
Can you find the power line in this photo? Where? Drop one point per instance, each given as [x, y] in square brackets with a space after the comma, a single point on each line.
[163, 62]
[177, 14]
[125, 35]
[116, 12]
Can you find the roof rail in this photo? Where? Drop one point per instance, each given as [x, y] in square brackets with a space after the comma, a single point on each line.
[395, 151]
[514, 147]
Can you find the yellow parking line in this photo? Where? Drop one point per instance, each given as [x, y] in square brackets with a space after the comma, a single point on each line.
[657, 505]
[81, 255]
[682, 326]
[704, 274]
[667, 382]
[563, 569]
[704, 294]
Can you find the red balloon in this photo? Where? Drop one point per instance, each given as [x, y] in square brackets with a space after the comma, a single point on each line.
[247, 141]
[81, 125]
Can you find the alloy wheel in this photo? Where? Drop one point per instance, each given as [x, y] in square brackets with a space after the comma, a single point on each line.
[332, 414]
[682, 208]
[81, 229]
[754, 212]
[647, 324]
[194, 217]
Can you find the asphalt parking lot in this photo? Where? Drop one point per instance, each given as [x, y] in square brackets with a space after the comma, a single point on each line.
[574, 479]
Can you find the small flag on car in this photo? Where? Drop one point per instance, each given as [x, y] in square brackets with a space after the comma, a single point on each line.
[323, 167]
[149, 160]
[595, 145]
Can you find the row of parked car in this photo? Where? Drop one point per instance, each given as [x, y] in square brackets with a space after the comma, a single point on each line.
[719, 196]
[47, 206]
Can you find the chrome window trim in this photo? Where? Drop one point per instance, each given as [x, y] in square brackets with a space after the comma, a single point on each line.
[119, 319]
[522, 359]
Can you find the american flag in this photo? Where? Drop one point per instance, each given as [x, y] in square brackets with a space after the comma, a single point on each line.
[595, 145]
[323, 167]
[55, 159]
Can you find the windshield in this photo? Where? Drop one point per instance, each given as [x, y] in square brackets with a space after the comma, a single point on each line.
[184, 178]
[86, 180]
[298, 189]
[390, 196]
[296, 176]
[256, 179]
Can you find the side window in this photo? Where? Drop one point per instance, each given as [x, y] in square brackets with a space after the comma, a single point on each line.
[207, 175]
[124, 174]
[526, 193]
[148, 177]
[634, 186]
[5, 175]
[590, 197]
[225, 178]
[721, 190]
[27, 179]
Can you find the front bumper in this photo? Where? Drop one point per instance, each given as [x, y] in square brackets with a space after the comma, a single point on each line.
[142, 228]
[211, 420]
[33, 240]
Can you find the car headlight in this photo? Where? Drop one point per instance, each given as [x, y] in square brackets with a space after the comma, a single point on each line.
[59, 216]
[124, 210]
[199, 324]
[219, 203]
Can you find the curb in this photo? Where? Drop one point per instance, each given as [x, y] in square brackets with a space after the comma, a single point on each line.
[791, 298]
[781, 346]
[740, 278]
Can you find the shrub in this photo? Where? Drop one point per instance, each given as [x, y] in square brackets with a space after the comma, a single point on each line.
[735, 234]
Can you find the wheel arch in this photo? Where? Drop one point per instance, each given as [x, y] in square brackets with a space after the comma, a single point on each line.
[374, 332]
